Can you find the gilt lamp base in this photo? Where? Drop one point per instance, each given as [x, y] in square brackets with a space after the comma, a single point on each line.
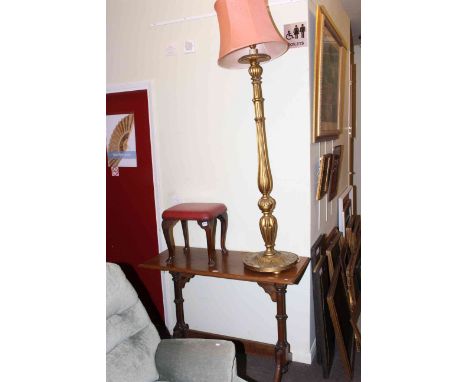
[280, 261]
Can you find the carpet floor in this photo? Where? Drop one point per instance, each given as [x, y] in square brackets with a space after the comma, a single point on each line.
[261, 369]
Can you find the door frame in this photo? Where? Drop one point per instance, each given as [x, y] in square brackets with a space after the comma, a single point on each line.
[169, 311]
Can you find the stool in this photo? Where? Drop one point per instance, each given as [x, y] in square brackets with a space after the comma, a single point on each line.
[206, 215]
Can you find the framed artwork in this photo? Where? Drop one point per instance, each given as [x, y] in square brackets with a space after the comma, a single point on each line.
[324, 331]
[316, 253]
[332, 253]
[323, 176]
[331, 235]
[345, 208]
[334, 172]
[329, 73]
[341, 316]
[317, 250]
[353, 277]
[356, 323]
[349, 229]
[353, 232]
[120, 140]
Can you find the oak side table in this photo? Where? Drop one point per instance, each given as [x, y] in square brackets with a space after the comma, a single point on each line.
[187, 265]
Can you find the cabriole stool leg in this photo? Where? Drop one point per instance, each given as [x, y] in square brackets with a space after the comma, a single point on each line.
[167, 226]
[210, 229]
[186, 236]
[223, 218]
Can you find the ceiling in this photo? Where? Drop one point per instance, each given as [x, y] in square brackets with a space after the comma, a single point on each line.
[353, 9]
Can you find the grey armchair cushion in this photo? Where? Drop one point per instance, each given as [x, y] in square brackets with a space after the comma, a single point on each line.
[131, 338]
[126, 324]
[133, 359]
[196, 360]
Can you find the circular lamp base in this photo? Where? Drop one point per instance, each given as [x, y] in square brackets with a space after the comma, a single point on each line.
[276, 263]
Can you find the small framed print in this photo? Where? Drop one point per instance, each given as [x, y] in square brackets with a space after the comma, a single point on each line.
[334, 172]
[323, 176]
[121, 141]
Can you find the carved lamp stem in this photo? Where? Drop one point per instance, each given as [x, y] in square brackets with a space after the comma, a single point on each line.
[269, 260]
[268, 223]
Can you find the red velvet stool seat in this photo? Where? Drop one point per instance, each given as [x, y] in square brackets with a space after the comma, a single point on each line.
[206, 215]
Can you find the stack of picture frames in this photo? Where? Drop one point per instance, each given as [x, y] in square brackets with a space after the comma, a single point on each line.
[336, 277]
[328, 175]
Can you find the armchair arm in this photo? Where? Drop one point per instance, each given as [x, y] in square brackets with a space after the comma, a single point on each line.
[195, 360]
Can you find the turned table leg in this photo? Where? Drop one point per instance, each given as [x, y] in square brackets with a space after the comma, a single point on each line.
[277, 293]
[180, 279]
[282, 346]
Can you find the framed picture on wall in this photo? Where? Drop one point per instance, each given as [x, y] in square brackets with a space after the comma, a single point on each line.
[329, 72]
[345, 208]
[335, 172]
[323, 176]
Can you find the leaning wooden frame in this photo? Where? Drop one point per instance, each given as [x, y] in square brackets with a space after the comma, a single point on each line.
[341, 315]
[356, 324]
[333, 251]
[353, 232]
[324, 331]
[352, 273]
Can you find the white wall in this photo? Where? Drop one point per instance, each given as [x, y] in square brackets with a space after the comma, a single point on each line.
[206, 151]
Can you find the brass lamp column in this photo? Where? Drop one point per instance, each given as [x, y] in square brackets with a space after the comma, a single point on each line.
[249, 37]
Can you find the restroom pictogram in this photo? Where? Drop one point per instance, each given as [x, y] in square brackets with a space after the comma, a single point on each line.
[296, 34]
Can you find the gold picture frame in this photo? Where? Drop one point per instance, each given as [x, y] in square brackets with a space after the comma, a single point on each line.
[329, 74]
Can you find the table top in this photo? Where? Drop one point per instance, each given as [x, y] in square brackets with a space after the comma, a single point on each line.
[228, 266]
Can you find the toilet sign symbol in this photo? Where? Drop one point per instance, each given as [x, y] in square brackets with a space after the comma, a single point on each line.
[296, 34]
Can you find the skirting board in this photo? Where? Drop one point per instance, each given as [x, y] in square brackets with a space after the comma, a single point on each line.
[254, 347]
[248, 346]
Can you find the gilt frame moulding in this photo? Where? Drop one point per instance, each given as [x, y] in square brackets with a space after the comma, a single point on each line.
[330, 127]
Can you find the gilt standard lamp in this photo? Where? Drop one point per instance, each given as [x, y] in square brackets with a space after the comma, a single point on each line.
[248, 37]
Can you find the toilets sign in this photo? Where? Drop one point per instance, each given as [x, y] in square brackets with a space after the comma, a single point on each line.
[296, 34]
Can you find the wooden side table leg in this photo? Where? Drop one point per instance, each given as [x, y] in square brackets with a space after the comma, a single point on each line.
[282, 347]
[167, 226]
[180, 279]
[223, 218]
[186, 236]
[210, 229]
[277, 293]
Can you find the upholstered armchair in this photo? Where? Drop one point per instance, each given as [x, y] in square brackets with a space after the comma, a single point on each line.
[135, 352]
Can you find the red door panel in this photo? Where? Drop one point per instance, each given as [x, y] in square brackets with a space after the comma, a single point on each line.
[131, 210]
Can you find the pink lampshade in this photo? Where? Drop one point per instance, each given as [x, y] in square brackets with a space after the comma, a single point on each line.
[243, 23]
